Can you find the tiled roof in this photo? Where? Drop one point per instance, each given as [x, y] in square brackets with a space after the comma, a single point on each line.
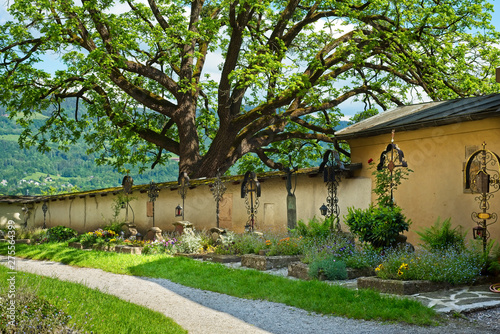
[425, 115]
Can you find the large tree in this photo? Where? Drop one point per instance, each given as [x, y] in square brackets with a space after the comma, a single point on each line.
[212, 81]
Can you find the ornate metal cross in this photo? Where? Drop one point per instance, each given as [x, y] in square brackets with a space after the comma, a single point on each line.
[331, 163]
[250, 191]
[482, 176]
[153, 193]
[392, 158]
[218, 189]
[183, 182]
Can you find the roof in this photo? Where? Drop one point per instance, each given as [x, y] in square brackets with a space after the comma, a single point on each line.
[173, 185]
[424, 115]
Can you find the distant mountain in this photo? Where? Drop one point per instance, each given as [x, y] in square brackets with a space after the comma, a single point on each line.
[29, 172]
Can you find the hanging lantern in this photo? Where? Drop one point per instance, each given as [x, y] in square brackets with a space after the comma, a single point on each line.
[479, 232]
[178, 211]
[323, 209]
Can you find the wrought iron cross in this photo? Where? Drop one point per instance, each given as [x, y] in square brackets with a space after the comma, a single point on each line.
[153, 193]
[250, 191]
[482, 176]
[183, 182]
[392, 158]
[331, 163]
[218, 189]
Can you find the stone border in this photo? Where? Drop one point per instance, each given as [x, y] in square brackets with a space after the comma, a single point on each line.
[301, 270]
[399, 287]
[109, 248]
[262, 262]
[221, 258]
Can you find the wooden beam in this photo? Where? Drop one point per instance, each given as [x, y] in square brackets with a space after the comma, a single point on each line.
[498, 74]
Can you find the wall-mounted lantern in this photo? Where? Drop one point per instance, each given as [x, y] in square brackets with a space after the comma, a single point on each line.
[250, 191]
[179, 212]
[482, 176]
[183, 182]
[479, 232]
[323, 209]
[332, 169]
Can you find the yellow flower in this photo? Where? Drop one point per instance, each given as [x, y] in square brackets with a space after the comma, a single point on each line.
[380, 267]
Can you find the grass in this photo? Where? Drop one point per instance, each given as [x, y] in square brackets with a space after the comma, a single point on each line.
[312, 296]
[88, 309]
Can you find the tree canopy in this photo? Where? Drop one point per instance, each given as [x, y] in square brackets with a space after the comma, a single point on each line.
[212, 81]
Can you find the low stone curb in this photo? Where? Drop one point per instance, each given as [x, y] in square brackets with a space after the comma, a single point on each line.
[399, 287]
[221, 258]
[262, 262]
[301, 270]
[108, 248]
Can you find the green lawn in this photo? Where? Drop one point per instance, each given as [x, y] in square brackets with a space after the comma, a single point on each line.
[313, 296]
[88, 309]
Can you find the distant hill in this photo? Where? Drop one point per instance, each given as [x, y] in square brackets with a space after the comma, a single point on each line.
[24, 171]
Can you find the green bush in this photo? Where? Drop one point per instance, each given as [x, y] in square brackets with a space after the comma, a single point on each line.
[315, 228]
[114, 226]
[331, 268]
[88, 239]
[61, 233]
[246, 243]
[441, 236]
[286, 246]
[379, 226]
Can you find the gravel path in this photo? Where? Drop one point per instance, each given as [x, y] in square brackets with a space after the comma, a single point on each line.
[205, 312]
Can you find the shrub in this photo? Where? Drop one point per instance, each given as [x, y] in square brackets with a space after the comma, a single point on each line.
[114, 226]
[239, 244]
[60, 233]
[379, 226]
[315, 228]
[190, 243]
[286, 246]
[331, 268]
[169, 246]
[441, 236]
[88, 239]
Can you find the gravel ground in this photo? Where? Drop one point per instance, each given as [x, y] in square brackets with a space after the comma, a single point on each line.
[204, 312]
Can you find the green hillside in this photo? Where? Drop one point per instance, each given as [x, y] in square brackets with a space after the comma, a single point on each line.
[27, 171]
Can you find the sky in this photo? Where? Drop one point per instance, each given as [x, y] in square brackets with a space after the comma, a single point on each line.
[347, 109]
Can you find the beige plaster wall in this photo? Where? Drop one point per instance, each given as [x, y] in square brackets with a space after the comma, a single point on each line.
[437, 156]
[11, 212]
[86, 213]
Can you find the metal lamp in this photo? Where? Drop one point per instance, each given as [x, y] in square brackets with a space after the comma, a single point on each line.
[178, 211]
[479, 232]
[323, 209]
